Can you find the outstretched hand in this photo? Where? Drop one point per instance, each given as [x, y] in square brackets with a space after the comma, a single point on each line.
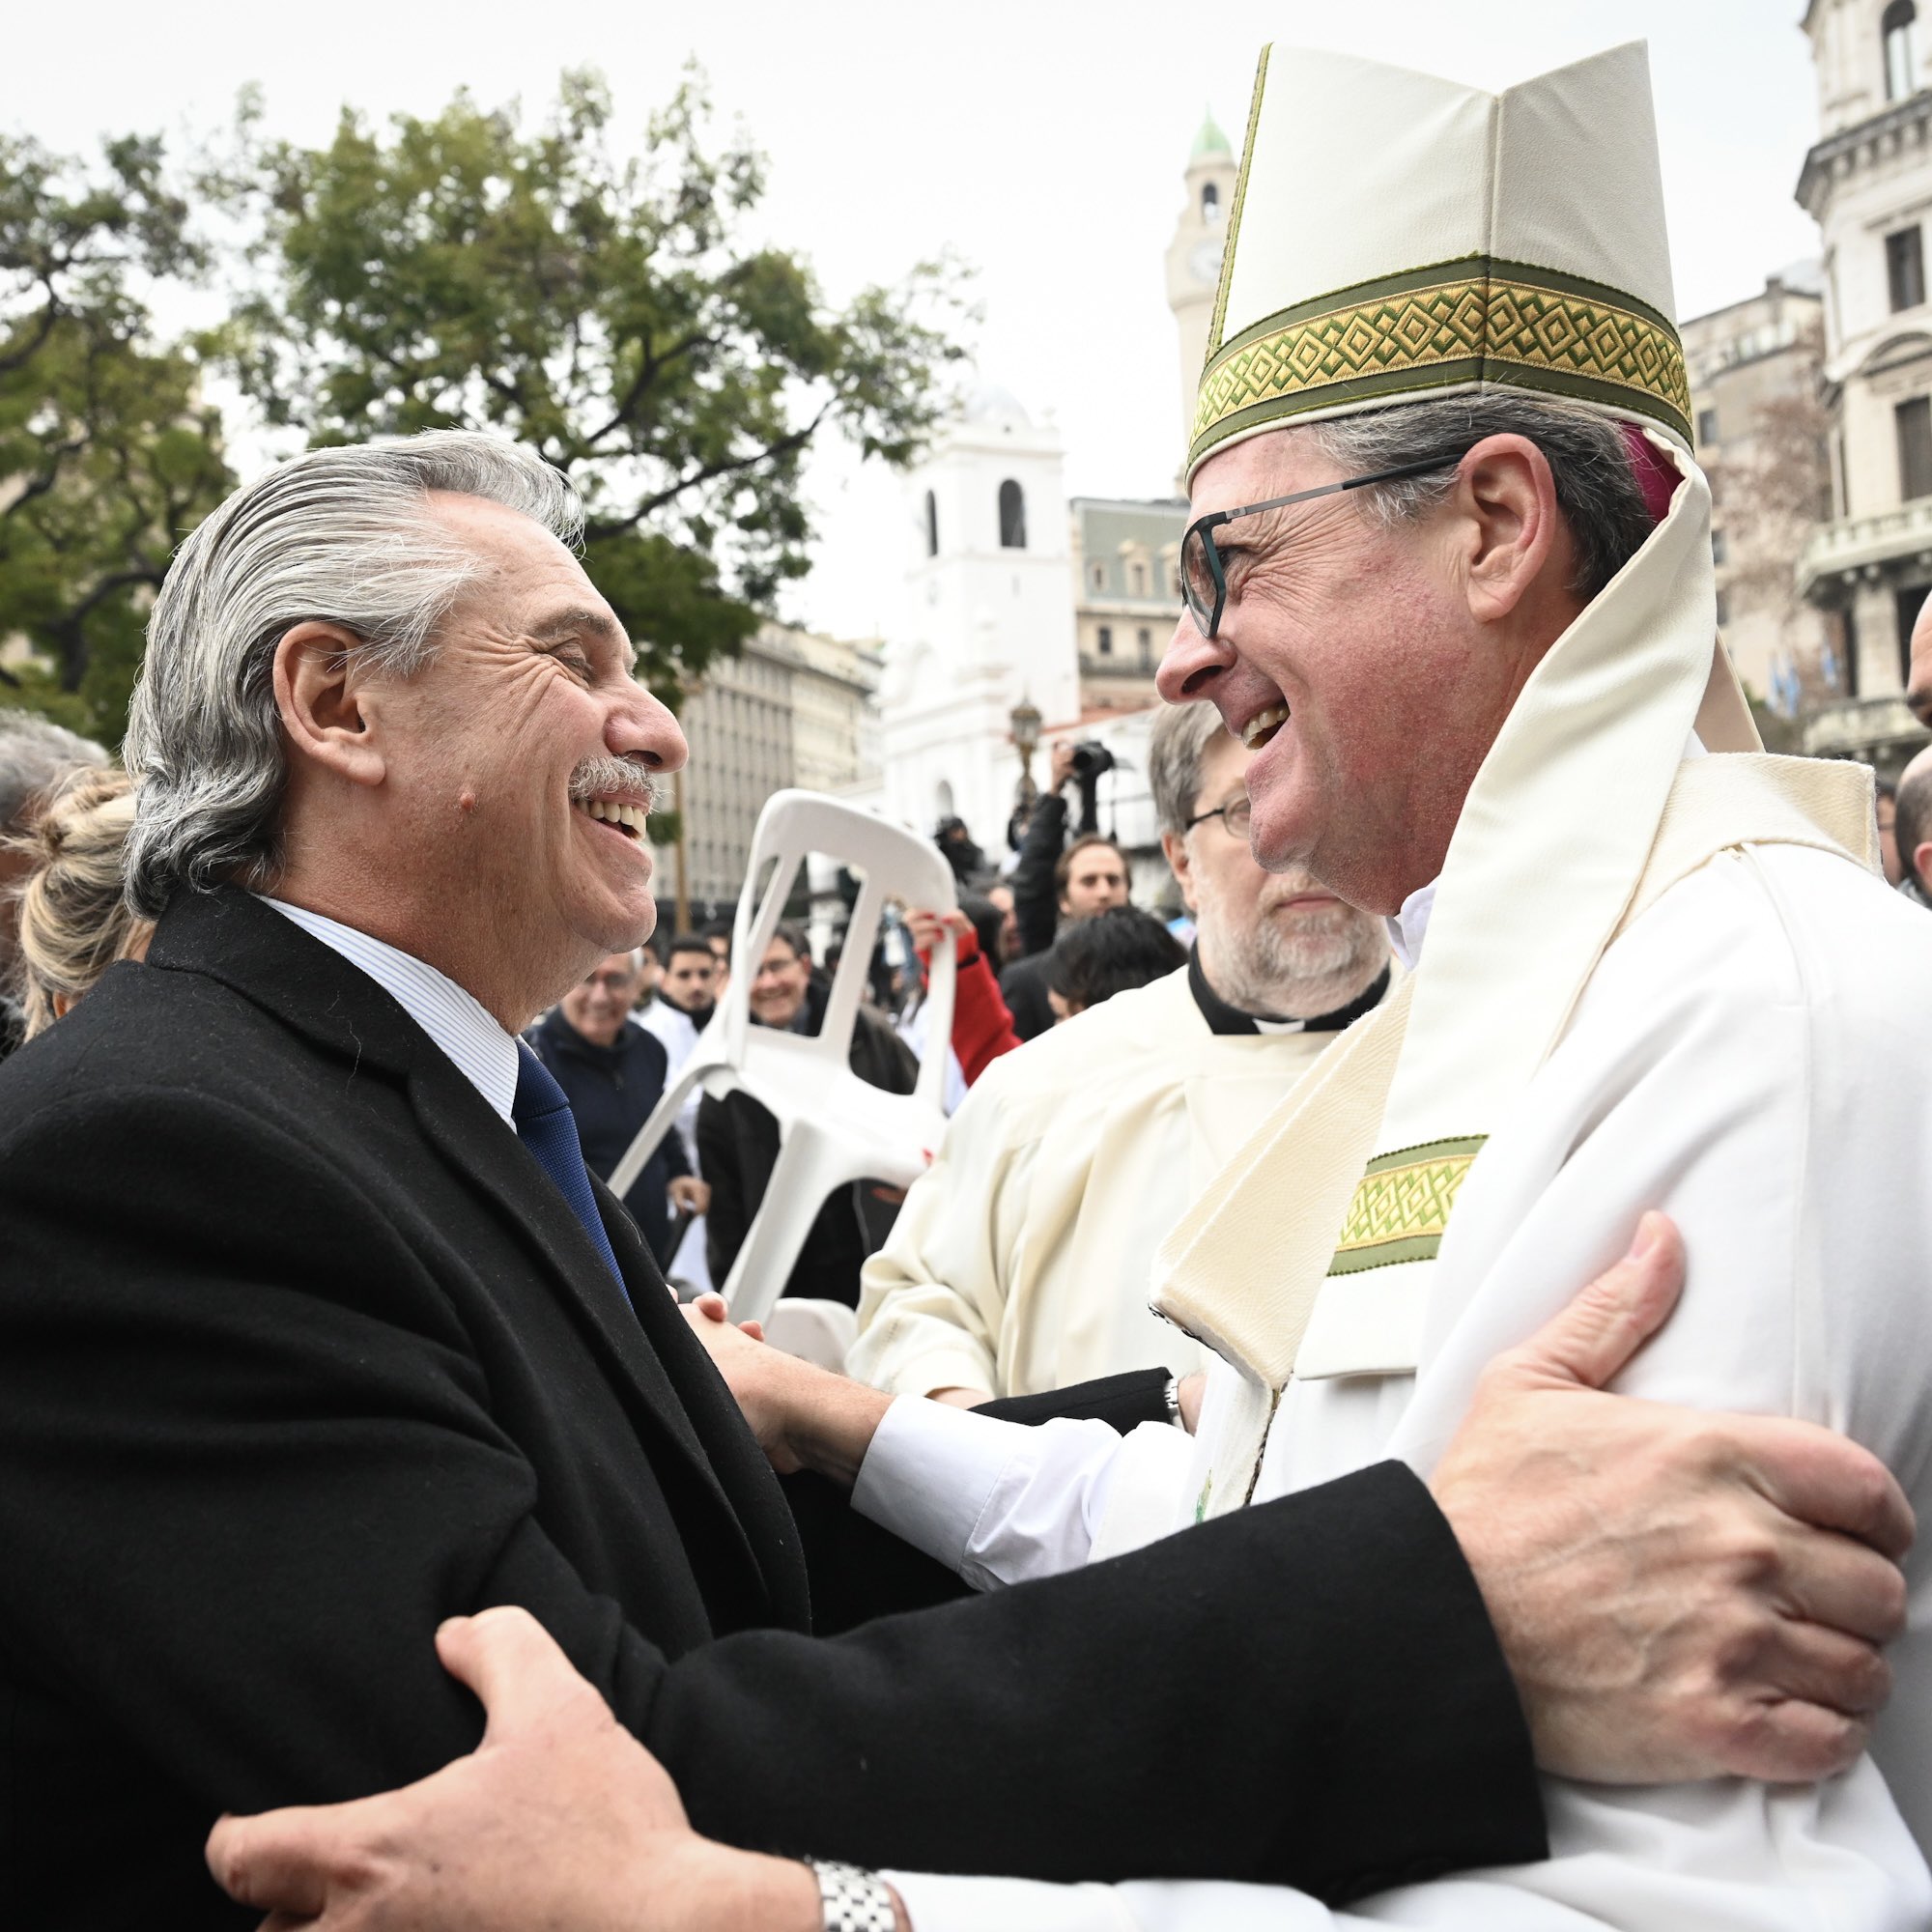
[558, 1818]
[1679, 1595]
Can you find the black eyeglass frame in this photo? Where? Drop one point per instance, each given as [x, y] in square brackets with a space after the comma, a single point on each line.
[1242, 803]
[1203, 528]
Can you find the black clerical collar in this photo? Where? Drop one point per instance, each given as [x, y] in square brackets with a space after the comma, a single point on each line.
[1222, 1018]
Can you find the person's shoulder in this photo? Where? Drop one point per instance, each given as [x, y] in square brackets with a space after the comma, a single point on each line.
[1772, 929]
[1117, 1040]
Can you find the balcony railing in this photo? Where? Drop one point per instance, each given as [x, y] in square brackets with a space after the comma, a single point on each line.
[1851, 543]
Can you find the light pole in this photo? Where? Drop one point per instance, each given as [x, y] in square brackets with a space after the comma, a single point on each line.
[1026, 720]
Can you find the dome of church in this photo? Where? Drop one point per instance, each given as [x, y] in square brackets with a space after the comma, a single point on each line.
[988, 403]
[1210, 141]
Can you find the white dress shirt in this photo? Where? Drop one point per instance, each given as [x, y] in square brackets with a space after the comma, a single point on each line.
[483, 1053]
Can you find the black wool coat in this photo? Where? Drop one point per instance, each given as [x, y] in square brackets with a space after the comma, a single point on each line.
[300, 1352]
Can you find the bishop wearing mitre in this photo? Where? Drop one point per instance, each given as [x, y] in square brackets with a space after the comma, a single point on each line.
[1451, 571]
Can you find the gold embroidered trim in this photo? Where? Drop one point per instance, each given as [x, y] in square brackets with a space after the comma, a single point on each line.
[1234, 213]
[1400, 1207]
[1501, 324]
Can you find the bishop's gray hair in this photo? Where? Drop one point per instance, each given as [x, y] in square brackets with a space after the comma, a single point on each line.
[35, 756]
[1176, 747]
[1596, 488]
[343, 536]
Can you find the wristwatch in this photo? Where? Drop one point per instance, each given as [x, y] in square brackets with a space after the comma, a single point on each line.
[853, 1900]
[1171, 1395]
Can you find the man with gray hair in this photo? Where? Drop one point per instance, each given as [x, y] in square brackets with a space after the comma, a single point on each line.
[1019, 1262]
[35, 755]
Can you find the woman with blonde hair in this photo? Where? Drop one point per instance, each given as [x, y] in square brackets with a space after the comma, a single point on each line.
[75, 922]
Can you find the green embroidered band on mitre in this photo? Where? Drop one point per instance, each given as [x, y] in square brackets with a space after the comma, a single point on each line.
[1449, 325]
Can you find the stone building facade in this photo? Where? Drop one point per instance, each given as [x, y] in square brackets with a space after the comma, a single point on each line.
[1762, 437]
[790, 709]
[1867, 182]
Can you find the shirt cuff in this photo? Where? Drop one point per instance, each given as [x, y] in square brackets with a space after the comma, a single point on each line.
[931, 1471]
[936, 1903]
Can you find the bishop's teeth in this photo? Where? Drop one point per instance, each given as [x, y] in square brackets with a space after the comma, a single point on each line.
[1263, 726]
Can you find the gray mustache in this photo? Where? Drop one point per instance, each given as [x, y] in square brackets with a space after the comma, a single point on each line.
[596, 776]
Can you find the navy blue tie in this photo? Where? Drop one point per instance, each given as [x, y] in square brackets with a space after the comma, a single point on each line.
[545, 1126]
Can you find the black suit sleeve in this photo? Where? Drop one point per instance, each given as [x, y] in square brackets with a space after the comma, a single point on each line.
[1124, 1401]
[282, 1455]
[1035, 900]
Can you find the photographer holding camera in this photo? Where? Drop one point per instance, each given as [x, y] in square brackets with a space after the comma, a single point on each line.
[1055, 881]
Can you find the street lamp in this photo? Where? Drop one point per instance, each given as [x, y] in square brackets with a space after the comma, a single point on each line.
[1026, 721]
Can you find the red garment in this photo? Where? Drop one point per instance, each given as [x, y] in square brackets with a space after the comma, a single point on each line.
[982, 1028]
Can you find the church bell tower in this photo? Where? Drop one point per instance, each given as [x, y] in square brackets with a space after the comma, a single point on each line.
[1194, 259]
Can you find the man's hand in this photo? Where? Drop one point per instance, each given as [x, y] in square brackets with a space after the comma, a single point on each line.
[805, 1417]
[1679, 1595]
[1061, 768]
[691, 1194]
[560, 1818]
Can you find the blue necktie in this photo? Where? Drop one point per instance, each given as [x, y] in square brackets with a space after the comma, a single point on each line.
[545, 1126]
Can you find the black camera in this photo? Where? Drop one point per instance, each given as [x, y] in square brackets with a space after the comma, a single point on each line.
[1090, 759]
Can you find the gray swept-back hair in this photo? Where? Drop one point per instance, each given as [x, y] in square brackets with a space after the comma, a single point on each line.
[1176, 747]
[340, 535]
[1596, 488]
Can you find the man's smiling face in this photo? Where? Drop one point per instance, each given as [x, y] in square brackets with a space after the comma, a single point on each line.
[523, 755]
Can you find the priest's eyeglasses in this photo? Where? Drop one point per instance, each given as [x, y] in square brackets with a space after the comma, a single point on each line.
[1204, 586]
[1236, 815]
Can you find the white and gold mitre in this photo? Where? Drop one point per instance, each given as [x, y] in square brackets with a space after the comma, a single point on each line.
[1395, 237]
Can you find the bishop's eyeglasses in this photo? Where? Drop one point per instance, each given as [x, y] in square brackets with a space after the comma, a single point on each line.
[1235, 816]
[1204, 586]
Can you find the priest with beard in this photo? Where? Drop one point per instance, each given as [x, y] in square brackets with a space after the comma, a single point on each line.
[1018, 1262]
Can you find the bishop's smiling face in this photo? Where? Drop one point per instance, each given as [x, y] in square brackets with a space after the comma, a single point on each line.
[1346, 660]
[526, 751]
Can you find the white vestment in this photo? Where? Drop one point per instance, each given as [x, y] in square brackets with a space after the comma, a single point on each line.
[1753, 1057]
[678, 1033]
[1020, 1261]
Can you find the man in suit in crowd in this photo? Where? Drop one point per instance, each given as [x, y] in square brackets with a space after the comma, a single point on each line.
[314, 1332]
[612, 1072]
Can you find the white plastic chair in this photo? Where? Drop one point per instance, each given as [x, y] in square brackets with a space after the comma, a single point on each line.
[834, 1128]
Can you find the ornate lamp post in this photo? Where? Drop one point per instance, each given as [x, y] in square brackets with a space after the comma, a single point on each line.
[1026, 720]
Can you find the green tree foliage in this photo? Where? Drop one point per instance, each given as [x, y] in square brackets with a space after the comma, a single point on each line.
[614, 312]
[108, 456]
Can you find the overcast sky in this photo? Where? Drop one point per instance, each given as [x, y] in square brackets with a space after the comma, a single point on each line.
[1043, 142]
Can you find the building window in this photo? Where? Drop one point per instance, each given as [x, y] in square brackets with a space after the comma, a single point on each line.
[1723, 609]
[1100, 577]
[1718, 547]
[1105, 639]
[1915, 447]
[1211, 203]
[931, 525]
[1905, 267]
[1140, 580]
[1013, 516]
[1143, 642]
[1707, 426]
[1901, 58]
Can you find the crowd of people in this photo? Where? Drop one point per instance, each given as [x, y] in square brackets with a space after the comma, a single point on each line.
[1520, 1152]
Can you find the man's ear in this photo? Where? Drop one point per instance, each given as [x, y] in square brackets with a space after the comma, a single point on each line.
[323, 699]
[1175, 847]
[1920, 861]
[1507, 496]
